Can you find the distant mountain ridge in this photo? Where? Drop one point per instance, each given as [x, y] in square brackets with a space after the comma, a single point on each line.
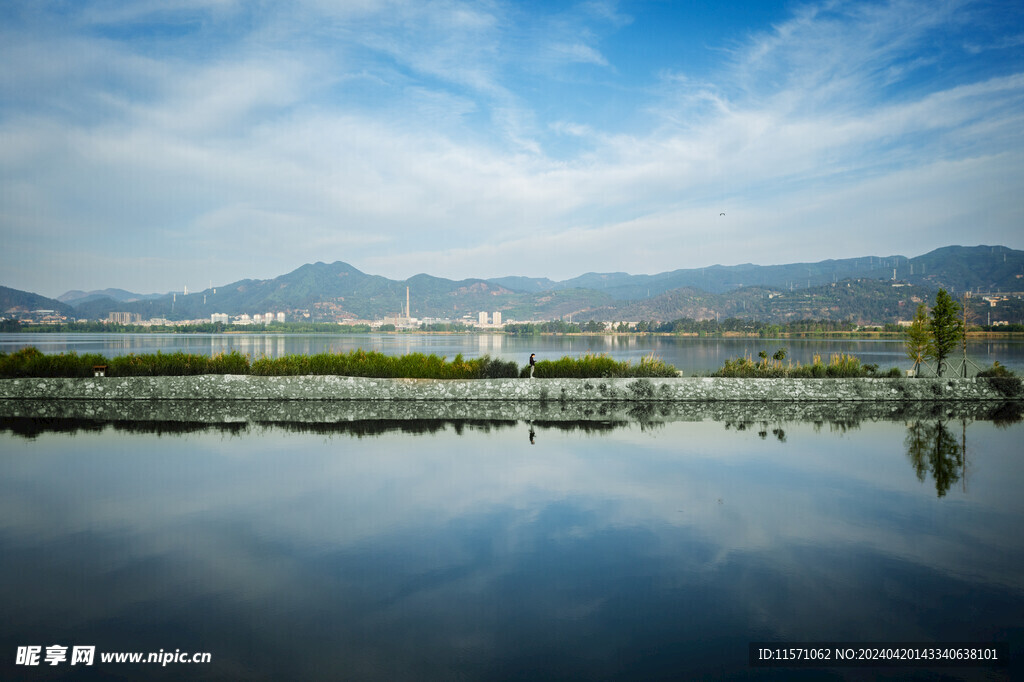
[338, 291]
[985, 266]
[76, 297]
[13, 299]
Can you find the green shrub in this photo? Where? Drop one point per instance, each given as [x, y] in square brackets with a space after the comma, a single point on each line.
[497, 369]
[1003, 380]
[996, 370]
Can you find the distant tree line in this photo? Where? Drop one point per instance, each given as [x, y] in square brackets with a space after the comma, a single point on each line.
[684, 325]
[445, 327]
[552, 327]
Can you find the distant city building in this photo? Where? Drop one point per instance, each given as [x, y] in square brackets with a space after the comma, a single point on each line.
[280, 317]
[268, 317]
[124, 318]
[483, 318]
[400, 321]
[257, 319]
[496, 318]
[219, 317]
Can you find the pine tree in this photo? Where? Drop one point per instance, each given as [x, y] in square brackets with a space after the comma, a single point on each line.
[945, 327]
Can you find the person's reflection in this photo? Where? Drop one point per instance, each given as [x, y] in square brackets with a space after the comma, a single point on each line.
[933, 448]
[533, 435]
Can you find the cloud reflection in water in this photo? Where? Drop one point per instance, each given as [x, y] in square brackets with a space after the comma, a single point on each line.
[598, 552]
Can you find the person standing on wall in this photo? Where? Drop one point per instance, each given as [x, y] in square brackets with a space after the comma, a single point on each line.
[533, 363]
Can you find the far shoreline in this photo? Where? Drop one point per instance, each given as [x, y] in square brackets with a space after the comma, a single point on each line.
[852, 335]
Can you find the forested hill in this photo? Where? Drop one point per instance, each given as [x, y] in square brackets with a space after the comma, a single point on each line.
[955, 268]
[862, 301]
[868, 289]
[13, 299]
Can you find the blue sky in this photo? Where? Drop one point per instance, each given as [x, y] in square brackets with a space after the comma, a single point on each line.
[158, 144]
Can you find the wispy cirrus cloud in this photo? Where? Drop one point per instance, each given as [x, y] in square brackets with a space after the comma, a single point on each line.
[486, 138]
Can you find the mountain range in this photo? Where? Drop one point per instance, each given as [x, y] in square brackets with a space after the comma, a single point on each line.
[861, 289]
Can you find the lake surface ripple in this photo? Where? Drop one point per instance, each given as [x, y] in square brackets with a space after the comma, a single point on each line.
[387, 548]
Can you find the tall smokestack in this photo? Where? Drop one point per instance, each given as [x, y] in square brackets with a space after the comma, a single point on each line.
[408, 313]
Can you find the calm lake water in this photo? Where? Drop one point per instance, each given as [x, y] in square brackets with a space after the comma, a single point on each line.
[691, 355]
[506, 550]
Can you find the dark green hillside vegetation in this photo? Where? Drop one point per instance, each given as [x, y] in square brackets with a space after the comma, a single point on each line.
[866, 290]
[579, 303]
[14, 299]
[859, 301]
[955, 267]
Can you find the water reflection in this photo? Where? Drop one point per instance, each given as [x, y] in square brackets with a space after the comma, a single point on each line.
[932, 449]
[692, 355]
[930, 445]
[569, 547]
[31, 428]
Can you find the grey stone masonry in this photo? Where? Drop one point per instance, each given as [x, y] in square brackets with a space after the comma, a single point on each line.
[688, 389]
[342, 412]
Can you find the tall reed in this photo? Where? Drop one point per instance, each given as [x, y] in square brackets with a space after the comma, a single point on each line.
[30, 362]
[592, 366]
[840, 365]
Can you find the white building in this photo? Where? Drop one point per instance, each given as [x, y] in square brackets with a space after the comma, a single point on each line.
[280, 317]
[219, 317]
[496, 318]
[483, 318]
[119, 317]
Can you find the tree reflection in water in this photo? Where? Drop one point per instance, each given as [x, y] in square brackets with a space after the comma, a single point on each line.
[930, 445]
[932, 448]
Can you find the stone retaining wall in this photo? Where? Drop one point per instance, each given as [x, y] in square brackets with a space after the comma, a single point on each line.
[684, 389]
[342, 414]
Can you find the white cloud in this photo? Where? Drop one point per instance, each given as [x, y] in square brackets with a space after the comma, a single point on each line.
[407, 137]
[583, 54]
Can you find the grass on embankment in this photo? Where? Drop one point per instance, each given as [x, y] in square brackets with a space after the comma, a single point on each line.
[30, 362]
[840, 366]
[599, 366]
[360, 363]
